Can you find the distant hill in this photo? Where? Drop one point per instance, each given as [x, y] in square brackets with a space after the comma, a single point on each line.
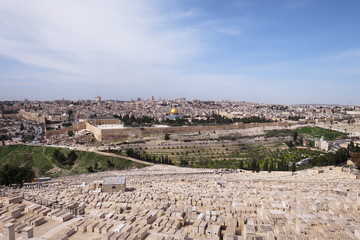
[43, 162]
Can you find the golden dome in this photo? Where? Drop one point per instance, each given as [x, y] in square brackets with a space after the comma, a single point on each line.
[174, 111]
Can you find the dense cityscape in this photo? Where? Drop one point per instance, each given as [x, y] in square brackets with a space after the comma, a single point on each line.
[178, 169]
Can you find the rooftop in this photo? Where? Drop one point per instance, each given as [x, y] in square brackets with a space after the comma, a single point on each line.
[114, 180]
[111, 126]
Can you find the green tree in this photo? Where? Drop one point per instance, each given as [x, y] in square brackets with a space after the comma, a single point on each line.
[355, 157]
[70, 112]
[257, 167]
[295, 136]
[301, 141]
[16, 175]
[129, 152]
[72, 156]
[110, 164]
[59, 157]
[184, 162]
[266, 166]
[290, 144]
[357, 148]
[293, 168]
[351, 147]
[90, 169]
[253, 165]
[70, 133]
[341, 156]
[167, 136]
[241, 165]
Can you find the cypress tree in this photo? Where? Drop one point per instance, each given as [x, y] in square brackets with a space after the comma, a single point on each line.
[253, 165]
[258, 167]
[293, 168]
[266, 166]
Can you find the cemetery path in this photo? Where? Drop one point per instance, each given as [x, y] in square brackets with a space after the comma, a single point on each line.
[61, 226]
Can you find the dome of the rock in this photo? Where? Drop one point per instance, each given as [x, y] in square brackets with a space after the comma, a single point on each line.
[174, 111]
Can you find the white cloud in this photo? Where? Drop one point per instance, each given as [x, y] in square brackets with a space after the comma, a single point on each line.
[227, 26]
[352, 53]
[91, 38]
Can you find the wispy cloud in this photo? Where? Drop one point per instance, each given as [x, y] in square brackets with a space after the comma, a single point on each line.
[349, 54]
[228, 26]
[91, 38]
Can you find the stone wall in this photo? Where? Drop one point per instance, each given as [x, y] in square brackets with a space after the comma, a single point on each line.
[31, 116]
[12, 115]
[65, 130]
[123, 134]
[101, 121]
[94, 130]
[109, 135]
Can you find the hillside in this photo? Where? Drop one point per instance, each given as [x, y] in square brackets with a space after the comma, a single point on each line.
[44, 164]
[318, 132]
[314, 132]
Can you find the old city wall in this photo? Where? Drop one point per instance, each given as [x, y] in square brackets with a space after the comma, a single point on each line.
[119, 134]
[101, 121]
[31, 116]
[109, 135]
[94, 130]
[75, 127]
[123, 134]
[25, 115]
[10, 115]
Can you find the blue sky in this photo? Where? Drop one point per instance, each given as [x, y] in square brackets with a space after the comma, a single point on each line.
[270, 51]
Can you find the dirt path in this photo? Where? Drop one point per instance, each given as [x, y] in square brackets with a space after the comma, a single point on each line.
[56, 168]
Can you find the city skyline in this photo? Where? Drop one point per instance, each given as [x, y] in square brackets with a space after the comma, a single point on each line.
[276, 52]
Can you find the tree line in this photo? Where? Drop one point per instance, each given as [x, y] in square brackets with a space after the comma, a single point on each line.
[148, 158]
[68, 160]
[214, 119]
[16, 175]
[328, 159]
[269, 166]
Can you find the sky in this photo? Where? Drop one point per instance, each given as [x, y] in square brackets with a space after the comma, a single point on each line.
[265, 51]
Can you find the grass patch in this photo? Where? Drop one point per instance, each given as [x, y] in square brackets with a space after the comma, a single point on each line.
[318, 132]
[279, 133]
[314, 132]
[42, 161]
